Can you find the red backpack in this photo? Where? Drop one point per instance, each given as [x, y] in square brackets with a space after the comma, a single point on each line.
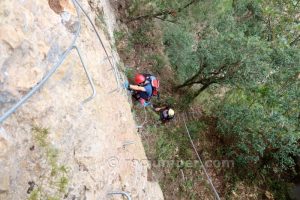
[154, 83]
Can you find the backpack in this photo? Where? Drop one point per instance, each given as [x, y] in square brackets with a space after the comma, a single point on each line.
[154, 83]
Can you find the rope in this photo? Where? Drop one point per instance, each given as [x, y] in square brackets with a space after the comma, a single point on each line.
[202, 165]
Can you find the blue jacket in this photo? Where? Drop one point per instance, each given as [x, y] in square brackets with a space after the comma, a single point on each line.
[146, 95]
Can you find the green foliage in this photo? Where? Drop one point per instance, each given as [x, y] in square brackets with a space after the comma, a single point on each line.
[260, 124]
[165, 149]
[179, 49]
[173, 154]
[226, 54]
[174, 143]
[141, 35]
[282, 21]
[170, 100]
[53, 198]
[157, 62]
[123, 43]
[210, 98]
[195, 127]
[147, 7]
[280, 188]
[40, 135]
[130, 73]
[34, 195]
[119, 36]
[165, 146]
[188, 185]
[232, 49]
[62, 184]
[262, 127]
[52, 158]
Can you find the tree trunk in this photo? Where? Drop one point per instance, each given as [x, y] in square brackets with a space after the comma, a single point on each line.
[171, 21]
[192, 80]
[165, 12]
[204, 87]
[187, 83]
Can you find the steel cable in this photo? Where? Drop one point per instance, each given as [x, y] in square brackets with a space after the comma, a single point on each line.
[202, 165]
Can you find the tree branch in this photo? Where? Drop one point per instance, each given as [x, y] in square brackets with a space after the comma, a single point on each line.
[164, 12]
[295, 40]
[174, 22]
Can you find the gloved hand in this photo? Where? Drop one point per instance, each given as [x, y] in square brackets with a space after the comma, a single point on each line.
[126, 85]
[147, 103]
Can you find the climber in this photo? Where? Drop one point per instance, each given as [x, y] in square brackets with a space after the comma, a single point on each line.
[166, 113]
[146, 86]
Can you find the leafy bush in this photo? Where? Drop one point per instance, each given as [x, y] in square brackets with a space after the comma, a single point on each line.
[260, 131]
[157, 62]
[179, 48]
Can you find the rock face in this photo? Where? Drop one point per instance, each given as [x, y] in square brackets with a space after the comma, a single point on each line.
[60, 6]
[5, 152]
[56, 146]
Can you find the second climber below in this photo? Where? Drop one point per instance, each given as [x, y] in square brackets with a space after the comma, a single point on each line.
[146, 86]
[166, 113]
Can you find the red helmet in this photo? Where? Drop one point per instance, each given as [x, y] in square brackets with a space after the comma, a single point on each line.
[139, 78]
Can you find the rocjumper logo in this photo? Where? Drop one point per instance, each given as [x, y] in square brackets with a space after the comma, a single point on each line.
[216, 164]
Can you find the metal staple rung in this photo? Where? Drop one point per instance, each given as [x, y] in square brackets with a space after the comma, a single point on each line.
[88, 76]
[121, 193]
[127, 143]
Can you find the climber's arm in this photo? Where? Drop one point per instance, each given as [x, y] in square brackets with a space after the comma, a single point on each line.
[159, 109]
[137, 88]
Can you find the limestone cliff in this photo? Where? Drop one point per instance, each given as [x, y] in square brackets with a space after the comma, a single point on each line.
[55, 146]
